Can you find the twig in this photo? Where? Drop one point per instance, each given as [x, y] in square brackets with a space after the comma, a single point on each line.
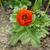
[47, 6]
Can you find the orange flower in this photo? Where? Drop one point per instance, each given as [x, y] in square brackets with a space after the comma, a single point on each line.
[24, 17]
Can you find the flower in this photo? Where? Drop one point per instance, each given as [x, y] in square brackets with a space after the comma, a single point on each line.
[24, 17]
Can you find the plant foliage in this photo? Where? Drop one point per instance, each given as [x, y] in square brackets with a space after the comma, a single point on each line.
[14, 3]
[37, 5]
[35, 31]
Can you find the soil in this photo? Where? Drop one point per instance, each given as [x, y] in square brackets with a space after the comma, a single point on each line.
[4, 34]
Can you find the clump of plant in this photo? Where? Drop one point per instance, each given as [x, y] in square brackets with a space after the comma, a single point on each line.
[29, 25]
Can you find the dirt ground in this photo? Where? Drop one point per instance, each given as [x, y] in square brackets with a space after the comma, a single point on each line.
[4, 34]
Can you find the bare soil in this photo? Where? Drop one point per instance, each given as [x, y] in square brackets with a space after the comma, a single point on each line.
[4, 34]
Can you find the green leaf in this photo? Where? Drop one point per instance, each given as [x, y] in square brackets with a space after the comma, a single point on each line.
[24, 7]
[44, 32]
[15, 10]
[41, 20]
[13, 39]
[15, 36]
[25, 38]
[15, 27]
[37, 5]
[34, 43]
[26, 2]
[13, 18]
[33, 18]
[14, 13]
[34, 35]
[14, 3]
[44, 19]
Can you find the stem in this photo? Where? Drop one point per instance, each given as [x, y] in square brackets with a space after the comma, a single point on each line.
[0, 2]
[47, 6]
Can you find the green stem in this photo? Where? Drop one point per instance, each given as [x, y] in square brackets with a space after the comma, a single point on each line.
[47, 6]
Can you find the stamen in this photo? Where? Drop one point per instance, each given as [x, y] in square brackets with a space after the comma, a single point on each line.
[24, 18]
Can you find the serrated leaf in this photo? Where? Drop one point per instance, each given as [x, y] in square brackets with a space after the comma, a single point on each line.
[13, 40]
[13, 15]
[15, 27]
[15, 36]
[25, 38]
[15, 10]
[44, 32]
[34, 37]
[13, 18]
[34, 43]
[26, 2]
[41, 20]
